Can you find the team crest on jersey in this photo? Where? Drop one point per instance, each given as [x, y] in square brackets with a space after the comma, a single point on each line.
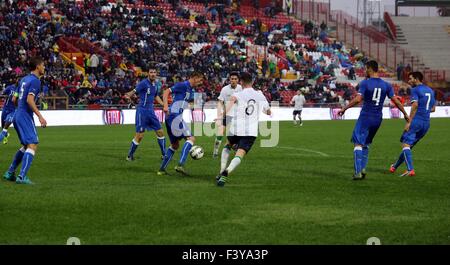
[334, 114]
[113, 116]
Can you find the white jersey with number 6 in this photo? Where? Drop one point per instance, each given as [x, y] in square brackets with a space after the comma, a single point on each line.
[249, 105]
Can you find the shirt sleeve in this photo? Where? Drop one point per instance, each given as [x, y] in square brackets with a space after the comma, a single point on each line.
[222, 94]
[390, 91]
[35, 87]
[414, 95]
[264, 103]
[362, 88]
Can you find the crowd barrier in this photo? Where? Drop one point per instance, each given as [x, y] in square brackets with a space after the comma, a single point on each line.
[114, 116]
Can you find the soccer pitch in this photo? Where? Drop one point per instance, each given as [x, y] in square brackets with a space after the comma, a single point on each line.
[300, 192]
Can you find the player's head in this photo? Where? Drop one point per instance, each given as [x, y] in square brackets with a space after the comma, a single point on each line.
[371, 67]
[299, 92]
[152, 73]
[234, 79]
[415, 78]
[246, 79]
[196, 78]
[37, 65]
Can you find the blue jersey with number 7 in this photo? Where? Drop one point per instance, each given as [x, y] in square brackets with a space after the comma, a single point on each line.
[424, 96]
[374, 92]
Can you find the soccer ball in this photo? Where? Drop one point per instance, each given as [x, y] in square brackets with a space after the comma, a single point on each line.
[196, 152]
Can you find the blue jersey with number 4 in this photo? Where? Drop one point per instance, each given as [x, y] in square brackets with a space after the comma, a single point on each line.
[424, 96]
[374, 92]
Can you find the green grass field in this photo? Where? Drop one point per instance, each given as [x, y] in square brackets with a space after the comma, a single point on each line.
[300, 192]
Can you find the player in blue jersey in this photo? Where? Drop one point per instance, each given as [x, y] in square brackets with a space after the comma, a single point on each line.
[146, 119]
[29, 89]
[8, 111]
[423, 103]
[177, 129]
[372, 92]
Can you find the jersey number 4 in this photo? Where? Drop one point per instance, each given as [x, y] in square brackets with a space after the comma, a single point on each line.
[376, 96]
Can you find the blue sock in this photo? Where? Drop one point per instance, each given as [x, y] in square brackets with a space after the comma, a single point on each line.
[133, 147]
[162, 144]
[3, 134]
[185, 152]
[408, 158]
[365, 157]
[400, 160]
[357, 156]
[17, 159]
[167, 157]
[27, 160]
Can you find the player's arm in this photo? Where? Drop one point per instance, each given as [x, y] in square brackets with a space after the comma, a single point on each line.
[34, 108]
[14, 99]
[130, 93]
[220, 109]
[433, 109]
[414, 107]
[399, 105]
[166, 100]
[230, 104]
[358, 99]
[159, 100]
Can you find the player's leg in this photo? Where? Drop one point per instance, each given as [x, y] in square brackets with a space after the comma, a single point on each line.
[218, 141]
[184, 154]
[140, 129]
[154, 124]
[244, 146]
[10, 174]
[161, 142]
[26, 164]
[168, 156]
[18, 157]
[30, 139]
[373, 127]
[4, 132]
[226, 155]
[418, 129]
[174, 145]
[295, 117]
[134, 145]
[365, 160]
[359, 137]
[300, 118]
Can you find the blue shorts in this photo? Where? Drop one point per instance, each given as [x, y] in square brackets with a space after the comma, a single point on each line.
[7, 116]
[146, 120]
[417, 131]
[177, 129]
[25, 128]
[365, 129]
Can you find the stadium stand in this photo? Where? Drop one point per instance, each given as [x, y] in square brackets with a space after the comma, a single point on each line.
[95, 50]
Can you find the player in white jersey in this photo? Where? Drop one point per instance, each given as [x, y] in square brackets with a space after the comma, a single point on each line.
[244, 126]
[223, 120]
[299, 100]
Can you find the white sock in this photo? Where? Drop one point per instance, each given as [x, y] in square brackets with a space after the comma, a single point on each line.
[224, 159]
[233, 164]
